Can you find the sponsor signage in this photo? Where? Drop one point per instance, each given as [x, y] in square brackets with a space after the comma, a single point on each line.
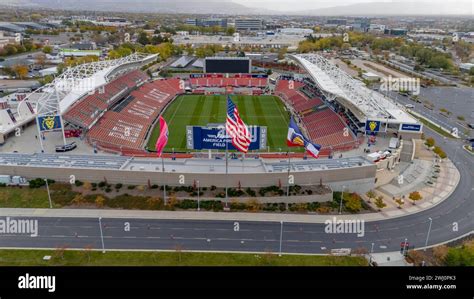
[49, 123]
[12, 117]
[372, 126]
[410, 127]
[263, 76]
[200, 138]
[28, 104]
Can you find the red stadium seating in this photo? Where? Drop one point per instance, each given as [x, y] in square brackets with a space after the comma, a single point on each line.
[128, 124]
[87, 111]
[223, 82]
[324, 126]
[291, 94]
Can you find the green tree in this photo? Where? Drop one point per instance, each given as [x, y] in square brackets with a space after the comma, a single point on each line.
[230, 31]
[370, 194]
[47, 49]
[281, 53]
[21, 71]
[379, 203]
[460, 256]
[352, 202]
[415, 196]
[143, 38]
[400, 202]
[430, 142]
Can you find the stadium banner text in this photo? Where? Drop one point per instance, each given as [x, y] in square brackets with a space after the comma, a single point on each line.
[199, 138]
[410, 127]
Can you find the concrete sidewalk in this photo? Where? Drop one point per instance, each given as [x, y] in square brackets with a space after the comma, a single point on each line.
[390, 212]
[432, 195]
[390, 259]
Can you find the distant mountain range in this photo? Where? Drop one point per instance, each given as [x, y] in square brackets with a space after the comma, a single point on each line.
[463, 7]
[135, 6]
[396, 8]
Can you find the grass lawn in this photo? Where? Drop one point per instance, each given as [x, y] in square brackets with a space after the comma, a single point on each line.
[121, 258]
[14, 197]
[201, 110]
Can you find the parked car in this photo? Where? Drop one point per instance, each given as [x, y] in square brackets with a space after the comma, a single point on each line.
[66, 148]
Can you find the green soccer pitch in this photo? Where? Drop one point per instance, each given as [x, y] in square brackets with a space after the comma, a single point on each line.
[200, 110]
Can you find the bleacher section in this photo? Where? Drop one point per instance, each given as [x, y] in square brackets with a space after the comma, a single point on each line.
[87, 111]
[127, 125]
[292, 94]
[223, 82]
[323, 125]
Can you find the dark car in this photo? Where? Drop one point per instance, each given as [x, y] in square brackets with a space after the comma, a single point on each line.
[471, 126]
[66, 148]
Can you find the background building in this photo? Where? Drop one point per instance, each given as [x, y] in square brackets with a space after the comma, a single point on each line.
[249, 24]
[210, 22]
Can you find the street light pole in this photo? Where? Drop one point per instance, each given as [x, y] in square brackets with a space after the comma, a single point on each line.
[281, 236]
[371, 252]
[428, 235]
[101, 234]
[342, 197]
[455, 154]
[49, 194]
[199, 207]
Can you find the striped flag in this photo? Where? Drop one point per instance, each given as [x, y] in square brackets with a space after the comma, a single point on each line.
[236, 128]
[296, 138]
[163, 139]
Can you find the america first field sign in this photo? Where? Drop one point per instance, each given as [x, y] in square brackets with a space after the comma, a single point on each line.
[215, 137]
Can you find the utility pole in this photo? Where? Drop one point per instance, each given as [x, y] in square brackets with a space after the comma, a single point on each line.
[281, 236]
[429, 230]
[49, 194]
[101, 234]
[342, 198]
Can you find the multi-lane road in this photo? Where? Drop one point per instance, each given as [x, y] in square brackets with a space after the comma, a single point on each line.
[459, 101]
[452, 218]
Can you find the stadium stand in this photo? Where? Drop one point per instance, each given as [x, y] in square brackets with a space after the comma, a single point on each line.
[86, 112]
[323, 125]
[292, 94]
[223, 82]
[128, 123]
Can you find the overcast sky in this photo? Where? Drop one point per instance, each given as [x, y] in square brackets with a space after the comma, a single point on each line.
[298, 5]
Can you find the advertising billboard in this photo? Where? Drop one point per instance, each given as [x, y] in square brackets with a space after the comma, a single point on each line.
[200, 138]
[49, 123]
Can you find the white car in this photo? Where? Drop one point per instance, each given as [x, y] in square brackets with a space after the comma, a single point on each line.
[411, 106]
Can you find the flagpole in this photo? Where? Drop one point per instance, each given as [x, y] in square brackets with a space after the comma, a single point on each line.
[226, 170]
[164, 184]
[288, 178]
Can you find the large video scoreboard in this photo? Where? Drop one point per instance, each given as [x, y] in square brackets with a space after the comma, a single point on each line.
[229, 65]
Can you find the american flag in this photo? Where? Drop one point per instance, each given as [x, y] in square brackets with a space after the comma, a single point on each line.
[236, 128]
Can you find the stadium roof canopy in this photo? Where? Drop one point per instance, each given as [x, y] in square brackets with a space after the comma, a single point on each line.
[11, 27]
[337, 84]
[182, 62]
[78, 81]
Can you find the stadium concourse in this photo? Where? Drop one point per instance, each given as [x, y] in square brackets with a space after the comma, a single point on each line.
[118, 115]
[323, 125]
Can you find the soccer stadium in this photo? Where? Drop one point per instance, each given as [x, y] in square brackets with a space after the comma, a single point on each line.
[112, 109]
